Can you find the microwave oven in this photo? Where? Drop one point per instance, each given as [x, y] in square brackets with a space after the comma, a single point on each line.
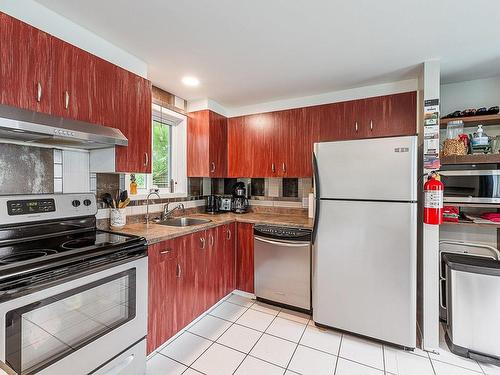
[478, 183]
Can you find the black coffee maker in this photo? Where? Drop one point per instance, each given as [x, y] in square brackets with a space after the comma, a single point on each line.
[212, 204]
[240, 200]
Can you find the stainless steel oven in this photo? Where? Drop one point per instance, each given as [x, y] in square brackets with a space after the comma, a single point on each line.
[78, 325]
[471, 184]
[73, 299]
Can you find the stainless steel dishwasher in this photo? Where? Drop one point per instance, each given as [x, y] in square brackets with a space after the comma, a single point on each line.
[283, 266]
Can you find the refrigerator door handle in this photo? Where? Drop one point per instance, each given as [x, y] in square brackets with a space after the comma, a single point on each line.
[316, 199]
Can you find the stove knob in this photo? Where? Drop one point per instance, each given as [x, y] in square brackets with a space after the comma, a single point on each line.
[87, 202]
[75, 203]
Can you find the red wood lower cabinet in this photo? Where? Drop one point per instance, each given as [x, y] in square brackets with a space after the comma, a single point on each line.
[211, 274]
[162, 292]
[229, 258]
[244, 257]
[197, 244]
[189, 274]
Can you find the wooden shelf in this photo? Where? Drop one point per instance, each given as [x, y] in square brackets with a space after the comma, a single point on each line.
[478, 205]
[463, 222]
[471, 159]
[473, 120]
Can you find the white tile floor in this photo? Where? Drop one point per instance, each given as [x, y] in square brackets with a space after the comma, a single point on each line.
[243, 337]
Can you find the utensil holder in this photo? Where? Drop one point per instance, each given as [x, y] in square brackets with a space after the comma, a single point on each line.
[118, 218]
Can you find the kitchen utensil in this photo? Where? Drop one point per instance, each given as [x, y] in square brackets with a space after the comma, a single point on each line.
[124, 203]
[108, 200]
[123, 196]
[118, 218]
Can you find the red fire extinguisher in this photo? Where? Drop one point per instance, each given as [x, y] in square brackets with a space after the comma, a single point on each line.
[433, 199]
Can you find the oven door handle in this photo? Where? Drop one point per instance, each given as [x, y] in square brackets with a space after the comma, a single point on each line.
[7, 369]
[282, 243]
[66, 276]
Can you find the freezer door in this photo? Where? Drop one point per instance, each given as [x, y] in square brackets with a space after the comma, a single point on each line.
[372, 169]
[364, 269]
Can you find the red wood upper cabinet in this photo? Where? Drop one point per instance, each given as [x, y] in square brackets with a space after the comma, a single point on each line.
[73, 71]
[244, 257]
[251, 149]
[392, 115]
[25, 69]
[296, 133]
[382, 116]
[134, 120]
[329, 120]
[103, 92]
[206, 144]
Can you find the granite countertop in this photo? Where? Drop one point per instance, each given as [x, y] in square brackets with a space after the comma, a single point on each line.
[155, 233]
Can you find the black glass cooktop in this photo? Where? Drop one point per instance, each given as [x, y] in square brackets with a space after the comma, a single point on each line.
[59, 245]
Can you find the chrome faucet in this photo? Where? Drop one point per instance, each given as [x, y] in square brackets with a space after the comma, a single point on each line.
[167, 212]
[153, 192]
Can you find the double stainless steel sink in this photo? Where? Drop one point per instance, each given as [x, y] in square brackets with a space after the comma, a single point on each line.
[183, 222]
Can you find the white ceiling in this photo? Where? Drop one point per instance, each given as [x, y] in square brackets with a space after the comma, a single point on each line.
[247, 52]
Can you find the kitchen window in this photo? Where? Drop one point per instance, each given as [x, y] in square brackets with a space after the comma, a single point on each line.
[169, 155]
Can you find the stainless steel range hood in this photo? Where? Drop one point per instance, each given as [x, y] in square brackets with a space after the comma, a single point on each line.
[40, 128]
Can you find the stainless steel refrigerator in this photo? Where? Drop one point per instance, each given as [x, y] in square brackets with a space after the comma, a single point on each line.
[365, 233]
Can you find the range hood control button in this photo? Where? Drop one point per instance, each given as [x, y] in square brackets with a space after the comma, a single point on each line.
[75, 203]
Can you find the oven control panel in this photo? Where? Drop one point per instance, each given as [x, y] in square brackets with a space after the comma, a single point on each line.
[21, 209]
[32, 206]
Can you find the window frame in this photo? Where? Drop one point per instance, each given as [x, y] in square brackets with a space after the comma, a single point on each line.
[177, 162]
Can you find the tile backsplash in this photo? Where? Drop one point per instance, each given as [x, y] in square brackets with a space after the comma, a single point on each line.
[289, 188]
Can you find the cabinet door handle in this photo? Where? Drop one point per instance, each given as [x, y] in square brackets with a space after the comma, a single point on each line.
[178, 271]
[38, 92]
[228, 234]
[202, 242]
[66, 99]
[371, 124]
[213, 168]
[283, 167]
[146, 159]
[211, 240]
[167, 251]
[273, 168]
[356, 126]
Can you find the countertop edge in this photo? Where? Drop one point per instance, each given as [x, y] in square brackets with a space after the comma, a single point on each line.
[220, 221]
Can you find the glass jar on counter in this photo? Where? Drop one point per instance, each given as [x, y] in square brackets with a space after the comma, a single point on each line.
[454, 129]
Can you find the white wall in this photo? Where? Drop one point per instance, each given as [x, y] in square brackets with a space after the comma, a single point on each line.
[470, 94]
[45, 19]
[307, 101]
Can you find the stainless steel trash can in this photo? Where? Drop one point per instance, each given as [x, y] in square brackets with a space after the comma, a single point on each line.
[473, 294]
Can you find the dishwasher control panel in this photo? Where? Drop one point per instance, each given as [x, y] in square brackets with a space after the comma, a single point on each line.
[280, 232]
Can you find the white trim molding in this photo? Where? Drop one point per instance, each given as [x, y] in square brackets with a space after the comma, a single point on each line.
[306, 101]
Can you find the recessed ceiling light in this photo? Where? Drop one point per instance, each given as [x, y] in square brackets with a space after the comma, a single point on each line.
[190, 81]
